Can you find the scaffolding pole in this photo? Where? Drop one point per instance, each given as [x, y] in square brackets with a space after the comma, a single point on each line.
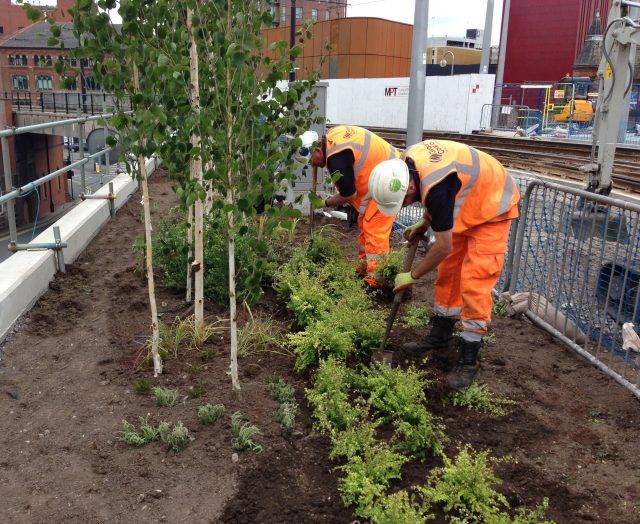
[415, 114]
[486, 39]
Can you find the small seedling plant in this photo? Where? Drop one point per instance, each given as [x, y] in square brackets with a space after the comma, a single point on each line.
[142, 386]
[165, 397]
[138, 436]
[479, 397]
[416, 316]
[209, 414]
[176, 437]
[243, 433]
[284, 395]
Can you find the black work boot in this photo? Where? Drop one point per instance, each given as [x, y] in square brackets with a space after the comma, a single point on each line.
[440, 336]
[465, 371]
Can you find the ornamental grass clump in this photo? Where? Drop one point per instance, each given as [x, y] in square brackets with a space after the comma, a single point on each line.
[165, 397]
[478, 397]
[209, 414]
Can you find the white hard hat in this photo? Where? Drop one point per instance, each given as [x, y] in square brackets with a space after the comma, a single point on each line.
[388, 185]
[303, 155]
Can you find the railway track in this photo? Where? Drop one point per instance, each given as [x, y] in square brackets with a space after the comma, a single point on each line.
[548, 157]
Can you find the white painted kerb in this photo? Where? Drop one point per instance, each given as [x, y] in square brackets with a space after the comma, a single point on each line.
[25, 276]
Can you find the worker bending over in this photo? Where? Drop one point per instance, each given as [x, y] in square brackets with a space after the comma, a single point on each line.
[470, 201]
[353, 154]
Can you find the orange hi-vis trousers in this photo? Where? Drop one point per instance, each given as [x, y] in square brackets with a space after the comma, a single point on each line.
[373, 241]
[468, 275]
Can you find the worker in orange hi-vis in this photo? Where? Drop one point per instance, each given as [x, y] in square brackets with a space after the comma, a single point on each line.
[470, 201]
[351, 155]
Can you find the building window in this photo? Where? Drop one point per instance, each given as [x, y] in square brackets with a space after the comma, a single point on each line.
[283, 15]
[74, 62]
[45, 83]
[298, 13]
[20, 82]
[1, 30]
[327, 15]
[18, 60]
[314, 15]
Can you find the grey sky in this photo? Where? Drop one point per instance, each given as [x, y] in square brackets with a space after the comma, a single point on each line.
[446, 17]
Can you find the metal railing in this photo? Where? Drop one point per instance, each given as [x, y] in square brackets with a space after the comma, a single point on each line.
[65, 102]
[11, 193]
[577, 256]
[510, 118]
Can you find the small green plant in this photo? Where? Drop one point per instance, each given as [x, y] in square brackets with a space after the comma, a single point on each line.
[138, 436]
[500, 308]
[479, 397]
[259, 335]
[197, 391]
[165, 397]
[490, 339]
[243, 433]
[176, 437]
[183, 335]
[142, 386]
[286, 416]
[389, 267]
[209, 414]
[416, 316]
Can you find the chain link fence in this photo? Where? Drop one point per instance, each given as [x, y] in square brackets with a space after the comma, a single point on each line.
[577, 257]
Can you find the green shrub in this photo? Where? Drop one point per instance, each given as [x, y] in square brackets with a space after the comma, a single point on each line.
[399, 396]
[398, 508]
[170, 256]
[209, 414]
[319, 340]
[478, 397]
[243, 433]
[141, 436]
[354, 440]
[176, 437]
[367, 476]
[416, 316]
[466, 487]
[324, 246]
[389, 266]
[329, 398]
[166, 397]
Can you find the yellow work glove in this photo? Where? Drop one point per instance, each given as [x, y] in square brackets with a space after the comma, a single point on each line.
[404, 281]
[416, 230]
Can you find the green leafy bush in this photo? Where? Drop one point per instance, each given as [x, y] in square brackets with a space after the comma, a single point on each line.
[209, 414]
[399, 396]
[389, 266]
[165, 397]
[329, 398]
[354, 440]
[478, 397]
[367, 476]
[176, 437]
[416, 316]
[399, 508]
[170, 257]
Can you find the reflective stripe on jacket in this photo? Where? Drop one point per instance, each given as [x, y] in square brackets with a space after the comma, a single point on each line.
[368, 150]
[488, 193]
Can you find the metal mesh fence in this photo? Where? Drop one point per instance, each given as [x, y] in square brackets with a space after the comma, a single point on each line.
[578, 256]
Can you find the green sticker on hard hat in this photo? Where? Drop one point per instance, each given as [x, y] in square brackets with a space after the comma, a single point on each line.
[395, 185]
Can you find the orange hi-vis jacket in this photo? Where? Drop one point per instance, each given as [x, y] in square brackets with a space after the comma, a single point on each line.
[368, 150]
[488, 192]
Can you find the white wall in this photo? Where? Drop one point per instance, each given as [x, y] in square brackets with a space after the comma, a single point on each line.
[452, 103]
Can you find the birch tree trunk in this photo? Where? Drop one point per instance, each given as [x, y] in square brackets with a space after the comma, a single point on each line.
[189, 296]
[146, 205]
[235, 381]
[196, 173]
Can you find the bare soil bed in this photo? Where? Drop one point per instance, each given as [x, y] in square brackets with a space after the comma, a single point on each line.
[66, 380]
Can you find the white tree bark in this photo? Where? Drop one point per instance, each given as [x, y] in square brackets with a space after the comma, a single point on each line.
[196, 173]
[146, 205]
[189, 296]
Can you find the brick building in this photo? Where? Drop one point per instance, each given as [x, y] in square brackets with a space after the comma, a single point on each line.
[13, 18]
[27, 62]
[308, 11]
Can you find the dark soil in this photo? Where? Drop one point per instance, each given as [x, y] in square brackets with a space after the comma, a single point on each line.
[66, 384]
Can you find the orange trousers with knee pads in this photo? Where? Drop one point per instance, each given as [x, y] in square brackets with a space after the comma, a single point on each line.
[373, 241]
[468, 275]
